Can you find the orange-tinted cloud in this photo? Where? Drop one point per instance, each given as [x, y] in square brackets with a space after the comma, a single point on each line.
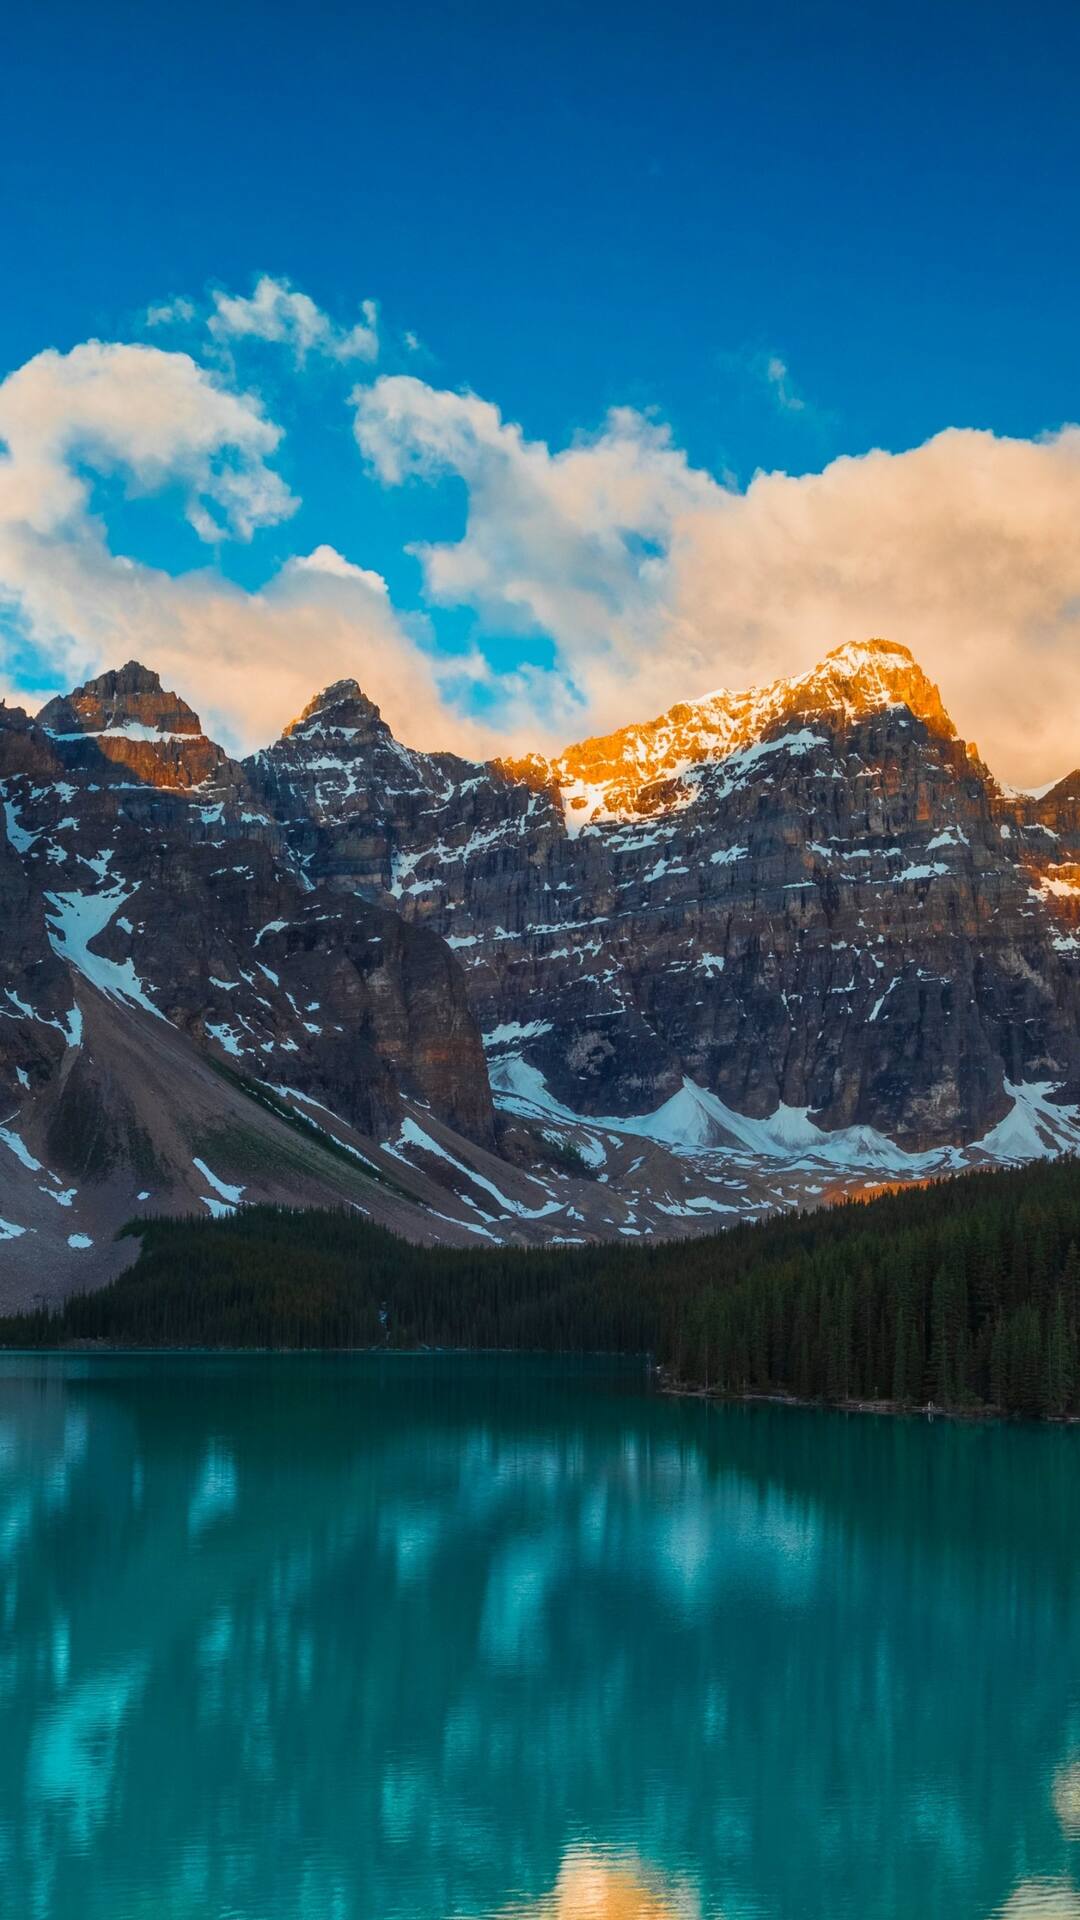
[657, 583]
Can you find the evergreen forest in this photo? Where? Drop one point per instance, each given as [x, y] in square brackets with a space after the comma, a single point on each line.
[964, 1295]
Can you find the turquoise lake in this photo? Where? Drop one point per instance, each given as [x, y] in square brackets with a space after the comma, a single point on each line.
[353, 1638]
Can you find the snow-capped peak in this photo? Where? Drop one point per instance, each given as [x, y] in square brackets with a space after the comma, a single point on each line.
[863, 675]
[642, 768]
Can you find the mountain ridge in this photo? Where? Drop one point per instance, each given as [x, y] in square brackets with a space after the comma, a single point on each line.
[464, 850]
[854, 678]
[797, 941]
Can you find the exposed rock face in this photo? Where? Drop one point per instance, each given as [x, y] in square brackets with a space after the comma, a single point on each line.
[350, 798]
[813, 896]
[37, 1007]
[123, 701]
[141, 860]
[130, 719]
[1047, 830]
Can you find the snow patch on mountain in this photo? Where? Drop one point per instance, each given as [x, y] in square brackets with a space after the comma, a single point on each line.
[130, 730]
[77, 919]
[1036, 1127]
[412, 1135]
[513, 1032]
[221, 1187]
[694, 1122]
[20, 838]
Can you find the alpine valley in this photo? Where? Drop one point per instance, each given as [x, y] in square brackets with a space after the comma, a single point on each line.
[768, 949]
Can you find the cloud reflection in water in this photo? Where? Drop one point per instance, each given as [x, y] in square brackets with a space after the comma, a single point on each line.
[296, 1639]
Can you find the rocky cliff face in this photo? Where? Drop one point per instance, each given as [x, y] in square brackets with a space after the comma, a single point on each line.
[129, 719]
[1046, 830]
[811, 896]
[38, 1016]
[154, 874]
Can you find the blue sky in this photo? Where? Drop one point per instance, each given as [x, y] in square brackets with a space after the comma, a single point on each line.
[788, 234]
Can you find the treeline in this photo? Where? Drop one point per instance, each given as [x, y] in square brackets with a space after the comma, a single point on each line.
[964, 1294]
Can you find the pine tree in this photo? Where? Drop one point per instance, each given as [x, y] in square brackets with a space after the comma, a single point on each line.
[1060, 1384]
[940, 1371]
[900, 1387]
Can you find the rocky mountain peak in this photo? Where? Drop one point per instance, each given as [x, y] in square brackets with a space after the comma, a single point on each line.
[127, 699]
[338, 759]
[341, 707]
[131, 678]
[861, 677]
[128, 718]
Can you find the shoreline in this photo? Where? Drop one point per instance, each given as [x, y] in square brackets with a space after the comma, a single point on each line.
[891, 1409]
[658, 1378]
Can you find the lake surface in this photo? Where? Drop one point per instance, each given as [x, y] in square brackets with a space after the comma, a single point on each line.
[357, 1638]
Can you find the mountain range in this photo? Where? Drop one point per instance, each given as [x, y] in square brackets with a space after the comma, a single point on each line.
[766, 949]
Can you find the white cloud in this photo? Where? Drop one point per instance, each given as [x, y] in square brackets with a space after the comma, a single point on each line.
[277, 311]
[779, 379]
[250, 659]
[171, 313]
[156, 416]
[751, 371]
[328, 560]
[571, 544]
[652, 580]
[656, 583]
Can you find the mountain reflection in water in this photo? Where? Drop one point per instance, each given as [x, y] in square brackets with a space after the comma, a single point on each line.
[322, 1639]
